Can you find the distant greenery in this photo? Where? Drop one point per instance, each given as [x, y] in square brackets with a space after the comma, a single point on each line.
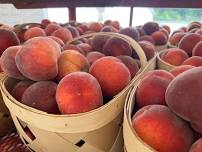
[186, 15]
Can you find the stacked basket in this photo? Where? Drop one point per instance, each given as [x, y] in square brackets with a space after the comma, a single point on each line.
[99, 130]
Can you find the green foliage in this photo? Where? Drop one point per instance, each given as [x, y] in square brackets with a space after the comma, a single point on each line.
[185, 15]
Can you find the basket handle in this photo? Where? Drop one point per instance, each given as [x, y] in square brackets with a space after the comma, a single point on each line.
[129, 40]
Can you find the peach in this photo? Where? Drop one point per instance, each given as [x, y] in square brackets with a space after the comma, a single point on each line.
[152, 88]
[116, 24]
[183, 96]
[93, 56]
[147, 38]
[150, 27]
[19, 89]
[197, 50]
[159, 37]
[95, 26]
[80, 30]
[194, 25]
[41, 95]
[175, 38]
[109, 28]
[184, 29]
[63, 33]
[85, 47]
[112, 78]
[83, 27]
[50, 28]
[34, 32]
[188, 42]
[37, 59]
[58, 40]
[175, 56]
[157, 126]
[165, 32]
[107, 22]
[71, 61]
[194, 30]
[194, 61]
[45, 22]
[115, 47]
[7, 39]
[148, 48]
[74, 31]
[130, 63]
[73, 47]
[141, 31]
[180, 69]
[20, 35]
[78, 92]
[197, 146]
[98, 42]
[199, 31]
[8, 64]
[167, 28]
[131, 32]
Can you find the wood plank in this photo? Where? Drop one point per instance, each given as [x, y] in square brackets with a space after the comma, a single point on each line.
[103, 3]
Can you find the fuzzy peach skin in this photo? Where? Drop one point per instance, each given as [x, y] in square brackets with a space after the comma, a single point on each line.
[130, 63]
[63, 33]
[93, 56]
[175, 56]
[78, 92]
[71, 61]
[8, 64]
[34, 32]
[150, 27]
[148, 48]
[175, 38]
[115, 47]
[188, 42]
[131, 32]
[152, 88]
[50, 28]
[180, 69]
[197, 50]
[19, 89]
[112, 75]
[197, 146]
[98, 42]
[183, 96]
[161, 129]
[159, 37]
[7, 38]
[37, 59]
[41, 95]
[194, 61]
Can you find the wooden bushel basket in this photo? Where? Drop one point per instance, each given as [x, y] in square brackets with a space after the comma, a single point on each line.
[99, 130]
[132, 142]
[162, 64]
[6, 122]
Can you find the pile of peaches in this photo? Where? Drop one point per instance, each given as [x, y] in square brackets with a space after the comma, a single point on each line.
[187, 47]
[59, 77]
[168, 111]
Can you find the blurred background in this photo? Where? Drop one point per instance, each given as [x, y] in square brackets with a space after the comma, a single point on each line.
[176, 18]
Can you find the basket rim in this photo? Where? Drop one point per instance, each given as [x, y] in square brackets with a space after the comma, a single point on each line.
[162, 61]
[128, 119]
